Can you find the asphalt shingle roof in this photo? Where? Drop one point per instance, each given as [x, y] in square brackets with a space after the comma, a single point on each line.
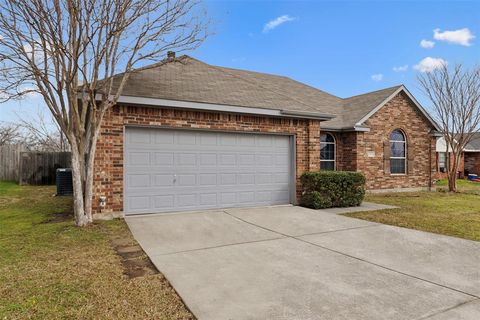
[474, 144]
[188, 79]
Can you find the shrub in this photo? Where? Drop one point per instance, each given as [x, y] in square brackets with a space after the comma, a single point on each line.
[328, 189]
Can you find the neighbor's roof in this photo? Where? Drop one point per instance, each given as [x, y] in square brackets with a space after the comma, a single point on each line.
[474, 144]
[190, 80]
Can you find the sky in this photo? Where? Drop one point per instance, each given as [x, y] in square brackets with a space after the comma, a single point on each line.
[342, 47]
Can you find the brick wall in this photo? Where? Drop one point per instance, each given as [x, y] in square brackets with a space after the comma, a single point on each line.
[363, 151]
[472, 162]
[108, 178]
[398, 113]
[346, 152]
[461, 167]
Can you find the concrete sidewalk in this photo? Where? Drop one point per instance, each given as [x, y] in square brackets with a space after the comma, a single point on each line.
[294, 263]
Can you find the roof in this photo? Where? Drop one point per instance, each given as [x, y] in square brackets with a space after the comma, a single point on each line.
[474, 144]
[357, 107]
[189, 80]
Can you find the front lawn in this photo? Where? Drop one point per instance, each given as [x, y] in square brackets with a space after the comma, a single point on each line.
[463, 186]
[456, 215]
[50, 269]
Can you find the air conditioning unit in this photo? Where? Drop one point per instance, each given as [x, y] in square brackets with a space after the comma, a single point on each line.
[64, 182]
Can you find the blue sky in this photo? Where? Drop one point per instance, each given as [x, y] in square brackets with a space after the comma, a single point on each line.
[345, 48]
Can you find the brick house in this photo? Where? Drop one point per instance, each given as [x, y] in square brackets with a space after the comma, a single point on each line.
[469, 159]
[186, 135]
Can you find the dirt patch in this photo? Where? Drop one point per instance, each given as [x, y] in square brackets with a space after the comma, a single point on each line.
[66, 215]
[4, 202]
[135, 261]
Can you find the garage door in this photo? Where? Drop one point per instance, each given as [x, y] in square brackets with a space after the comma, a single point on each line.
[175, 170]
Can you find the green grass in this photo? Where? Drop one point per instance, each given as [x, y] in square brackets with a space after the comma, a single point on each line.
[455, 215]
[463, 186]
[50, 269]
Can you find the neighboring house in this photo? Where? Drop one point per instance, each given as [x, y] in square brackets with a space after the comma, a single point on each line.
[472, 156]
[187, 135]
[469, 159]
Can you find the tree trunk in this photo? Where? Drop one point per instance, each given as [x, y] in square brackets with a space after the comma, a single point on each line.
[452, 175]
[81, 218]
[89, 163]
[452, 182]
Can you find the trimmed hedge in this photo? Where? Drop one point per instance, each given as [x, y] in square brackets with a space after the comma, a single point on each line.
[328, 189]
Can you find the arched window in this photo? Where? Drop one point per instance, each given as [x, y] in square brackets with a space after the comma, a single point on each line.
[398, 152]
[327, 151]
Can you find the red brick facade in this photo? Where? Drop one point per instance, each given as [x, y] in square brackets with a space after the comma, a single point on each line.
[461, 167]
[108, 179]
[472, 162]
[356, 151]
[364, 151]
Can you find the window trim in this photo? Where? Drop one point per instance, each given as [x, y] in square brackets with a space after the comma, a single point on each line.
[334, 160]
[404, 158]
[439, 169]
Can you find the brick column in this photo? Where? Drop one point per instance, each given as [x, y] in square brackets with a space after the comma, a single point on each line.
[313, 145]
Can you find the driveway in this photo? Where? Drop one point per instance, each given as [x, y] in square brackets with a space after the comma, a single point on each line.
[290, 262]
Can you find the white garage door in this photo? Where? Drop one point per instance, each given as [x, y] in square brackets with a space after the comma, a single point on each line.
[175, 170]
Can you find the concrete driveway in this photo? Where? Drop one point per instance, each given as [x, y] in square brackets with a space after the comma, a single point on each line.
[289, 262]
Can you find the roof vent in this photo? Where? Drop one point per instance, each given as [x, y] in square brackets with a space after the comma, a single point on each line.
[171, 55]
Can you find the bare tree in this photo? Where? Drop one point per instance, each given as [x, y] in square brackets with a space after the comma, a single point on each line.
[41, 133]
[9, 133]
[70, 50]
[455, 95]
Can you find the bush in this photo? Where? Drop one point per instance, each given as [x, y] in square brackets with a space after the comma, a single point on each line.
[328, 189]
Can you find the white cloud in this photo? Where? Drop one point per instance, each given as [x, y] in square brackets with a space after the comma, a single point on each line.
[461, 36]
[400, 68]
[272, 24]
[427, 44]
[429, 64]
[377, 77]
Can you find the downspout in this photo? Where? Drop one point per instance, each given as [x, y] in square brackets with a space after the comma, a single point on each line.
[430, 166]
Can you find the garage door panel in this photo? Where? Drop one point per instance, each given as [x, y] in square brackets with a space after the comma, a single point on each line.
[165, 201]
[163, 137]
[163, 158]
[138, 158]
[208, 159]
[139, 137]
[185, 159]
[207, 179]
[208, 199]
[138, 180]
[171, 170]
[163, 180]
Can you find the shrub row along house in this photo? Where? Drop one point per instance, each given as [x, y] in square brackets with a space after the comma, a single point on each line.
[187, 135]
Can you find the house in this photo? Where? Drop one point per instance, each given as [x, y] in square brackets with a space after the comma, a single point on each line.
[187, 135]
[469, 159]
[472, 156]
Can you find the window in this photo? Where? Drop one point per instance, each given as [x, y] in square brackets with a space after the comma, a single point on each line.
[442, 161]
[398, 152]
[327, 152]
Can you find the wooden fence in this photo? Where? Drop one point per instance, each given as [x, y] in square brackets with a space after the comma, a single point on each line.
[10, 162]
[31, 167]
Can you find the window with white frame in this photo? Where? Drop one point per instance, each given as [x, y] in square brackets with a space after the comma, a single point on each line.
[442, 161]
[398, 152]
[327, 151]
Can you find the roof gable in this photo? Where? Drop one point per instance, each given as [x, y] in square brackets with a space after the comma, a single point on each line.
[358, 109]
[474, 144]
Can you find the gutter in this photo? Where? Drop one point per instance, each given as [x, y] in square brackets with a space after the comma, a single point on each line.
[348, 129]
[190, 105]
[308, 115]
